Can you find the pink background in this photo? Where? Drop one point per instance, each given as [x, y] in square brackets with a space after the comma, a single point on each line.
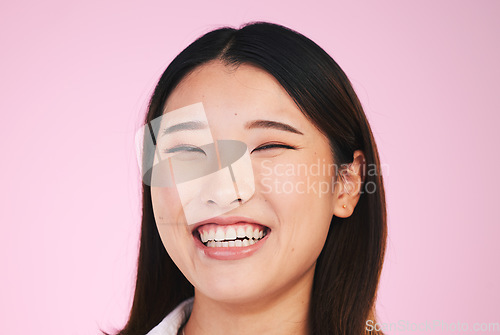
[75, 79]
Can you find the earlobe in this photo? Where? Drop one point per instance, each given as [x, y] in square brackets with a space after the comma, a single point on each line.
[349, 185]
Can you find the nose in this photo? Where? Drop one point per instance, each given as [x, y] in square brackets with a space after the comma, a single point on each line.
[221, 190]
[233, 184]
[228, 188]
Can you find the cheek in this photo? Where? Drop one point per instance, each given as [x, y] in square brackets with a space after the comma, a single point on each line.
[171, 222]
[167, 206]
[301, 195]
[169, 216]
[301, 185]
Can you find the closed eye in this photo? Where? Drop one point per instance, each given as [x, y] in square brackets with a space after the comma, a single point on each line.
[274, 146]
[185, 148]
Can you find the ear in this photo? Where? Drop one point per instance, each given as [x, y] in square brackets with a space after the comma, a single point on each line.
[349, 184]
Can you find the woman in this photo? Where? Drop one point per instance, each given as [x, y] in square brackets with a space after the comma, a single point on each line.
[262, 194]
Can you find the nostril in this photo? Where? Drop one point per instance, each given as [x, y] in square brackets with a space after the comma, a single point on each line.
[224, 204]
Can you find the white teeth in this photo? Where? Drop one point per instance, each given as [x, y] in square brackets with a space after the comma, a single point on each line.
[249, 232]
[219, 234]
[204, 237]
[230, 233]
[241, 232]
[242, 236]
[211, 234]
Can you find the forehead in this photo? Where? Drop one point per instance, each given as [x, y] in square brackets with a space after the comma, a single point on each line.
[245, 89]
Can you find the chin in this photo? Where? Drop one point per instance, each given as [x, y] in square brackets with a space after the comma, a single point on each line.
[233, 290]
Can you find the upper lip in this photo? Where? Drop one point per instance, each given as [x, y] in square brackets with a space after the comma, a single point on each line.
[225, 220]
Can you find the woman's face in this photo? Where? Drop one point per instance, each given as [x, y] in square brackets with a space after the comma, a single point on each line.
[281, 187]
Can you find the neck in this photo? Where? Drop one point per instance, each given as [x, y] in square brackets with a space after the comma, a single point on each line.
[284, 313]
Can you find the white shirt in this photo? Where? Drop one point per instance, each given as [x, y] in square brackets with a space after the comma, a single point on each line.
[173, 321]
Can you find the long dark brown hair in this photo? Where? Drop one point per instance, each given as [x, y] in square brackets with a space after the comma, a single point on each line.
[349, 266]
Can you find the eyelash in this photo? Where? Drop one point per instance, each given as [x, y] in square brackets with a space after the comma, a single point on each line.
[183, 148]
[262, 147]
[274, 145]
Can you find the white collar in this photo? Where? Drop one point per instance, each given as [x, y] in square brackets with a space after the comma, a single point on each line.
[173, 321]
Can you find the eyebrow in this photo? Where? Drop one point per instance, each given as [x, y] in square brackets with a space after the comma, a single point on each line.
[190, 125]
[272, 125]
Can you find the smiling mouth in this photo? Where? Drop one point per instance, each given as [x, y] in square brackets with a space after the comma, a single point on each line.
[234, 235]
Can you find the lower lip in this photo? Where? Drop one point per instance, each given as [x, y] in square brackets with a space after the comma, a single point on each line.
[230, 253]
